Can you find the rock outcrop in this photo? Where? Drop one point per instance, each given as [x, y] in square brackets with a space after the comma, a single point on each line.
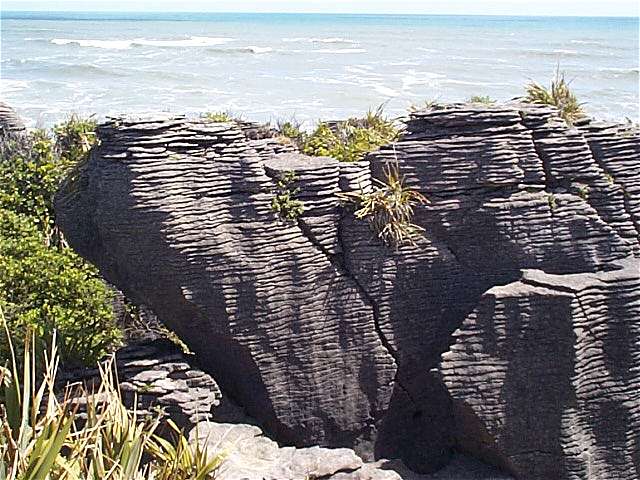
[9, 120]
[156, 375]
[328, 337]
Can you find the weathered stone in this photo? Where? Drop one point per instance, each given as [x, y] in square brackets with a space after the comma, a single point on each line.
[323, 334]
[144, 373]
[9, 120]
[252, 456]
[544, 375]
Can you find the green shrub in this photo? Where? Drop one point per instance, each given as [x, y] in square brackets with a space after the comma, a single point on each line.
[74, 138]
[46, 289]
[218, 117]
[483, 99]
[44, 285]
[351, 140]
[558, 95]
[389, 208]
[284, 202]
[30, 174]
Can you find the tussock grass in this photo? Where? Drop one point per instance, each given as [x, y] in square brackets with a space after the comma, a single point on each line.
[350, 140]
[559, 94]
[389, 208]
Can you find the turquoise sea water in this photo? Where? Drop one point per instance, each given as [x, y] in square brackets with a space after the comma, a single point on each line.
[267, 66]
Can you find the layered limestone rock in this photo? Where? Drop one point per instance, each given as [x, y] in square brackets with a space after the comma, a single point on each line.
[287, 332]
[324, 334]
[155, 375]
[9, 120]
[544, 375]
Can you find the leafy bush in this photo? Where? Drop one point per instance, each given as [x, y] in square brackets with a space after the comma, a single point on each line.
[558, 95]
[351, 140]
[389, 208]
[74, 138]
[45, 289]
[284, 202]
[43, 284]
[41, 438]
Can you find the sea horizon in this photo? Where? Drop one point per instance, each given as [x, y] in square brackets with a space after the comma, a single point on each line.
[309, 66]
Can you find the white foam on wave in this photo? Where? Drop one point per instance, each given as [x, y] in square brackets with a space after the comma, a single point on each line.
[8, 86]
[257, 50]
[125, 44]
[385, 91]
[586, 42]
[320, 40]
[339, 50]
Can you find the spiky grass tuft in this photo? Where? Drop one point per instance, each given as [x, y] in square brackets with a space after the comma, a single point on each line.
[559, 95]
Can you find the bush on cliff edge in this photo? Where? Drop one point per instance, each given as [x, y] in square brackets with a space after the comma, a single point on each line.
[44, 285]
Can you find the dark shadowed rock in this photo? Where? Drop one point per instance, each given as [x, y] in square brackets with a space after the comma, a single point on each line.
[544, 378]
[323, 334]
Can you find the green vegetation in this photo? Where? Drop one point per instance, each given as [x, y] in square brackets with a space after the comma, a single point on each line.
[350, 140]
[430, 103]
[389, 208]
[558, 95]
[290, 131]
[45, 289]
[284, 202]
[41, 437]
[483, 99]
[218, 117]
[44, 285]
[583, 191]
[553, 201]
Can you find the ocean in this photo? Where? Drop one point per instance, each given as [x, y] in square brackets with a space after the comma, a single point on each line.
[304, 66]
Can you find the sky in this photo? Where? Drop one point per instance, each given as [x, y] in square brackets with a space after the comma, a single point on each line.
[628, 8]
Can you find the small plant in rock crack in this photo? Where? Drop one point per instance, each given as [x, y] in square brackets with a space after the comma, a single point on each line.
[284, 202]
[583, 191]
[483, 99]
[553, 202]
[389, 208]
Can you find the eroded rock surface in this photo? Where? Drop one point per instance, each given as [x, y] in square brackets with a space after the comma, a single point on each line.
[544, 375]
[156, 374]
[322, 333]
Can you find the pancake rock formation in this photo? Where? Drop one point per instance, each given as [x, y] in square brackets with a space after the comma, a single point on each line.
[508, 330]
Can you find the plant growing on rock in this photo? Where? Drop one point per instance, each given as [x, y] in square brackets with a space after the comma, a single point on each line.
[41, 437]
[284, 202]
[218, 117]
[351, 140]
[482, 99]
[558, 95]
[389, 208]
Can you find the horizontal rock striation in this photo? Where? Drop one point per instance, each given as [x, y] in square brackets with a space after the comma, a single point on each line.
[9, 120]
[188, 205]
[544, 377]
[156, 374]
[324, 334]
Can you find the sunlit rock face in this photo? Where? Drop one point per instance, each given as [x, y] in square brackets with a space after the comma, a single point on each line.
[329, 337]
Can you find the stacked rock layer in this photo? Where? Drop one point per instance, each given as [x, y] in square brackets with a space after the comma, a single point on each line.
[329, 337]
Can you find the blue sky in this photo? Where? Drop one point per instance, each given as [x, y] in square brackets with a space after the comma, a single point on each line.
[468, 7]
